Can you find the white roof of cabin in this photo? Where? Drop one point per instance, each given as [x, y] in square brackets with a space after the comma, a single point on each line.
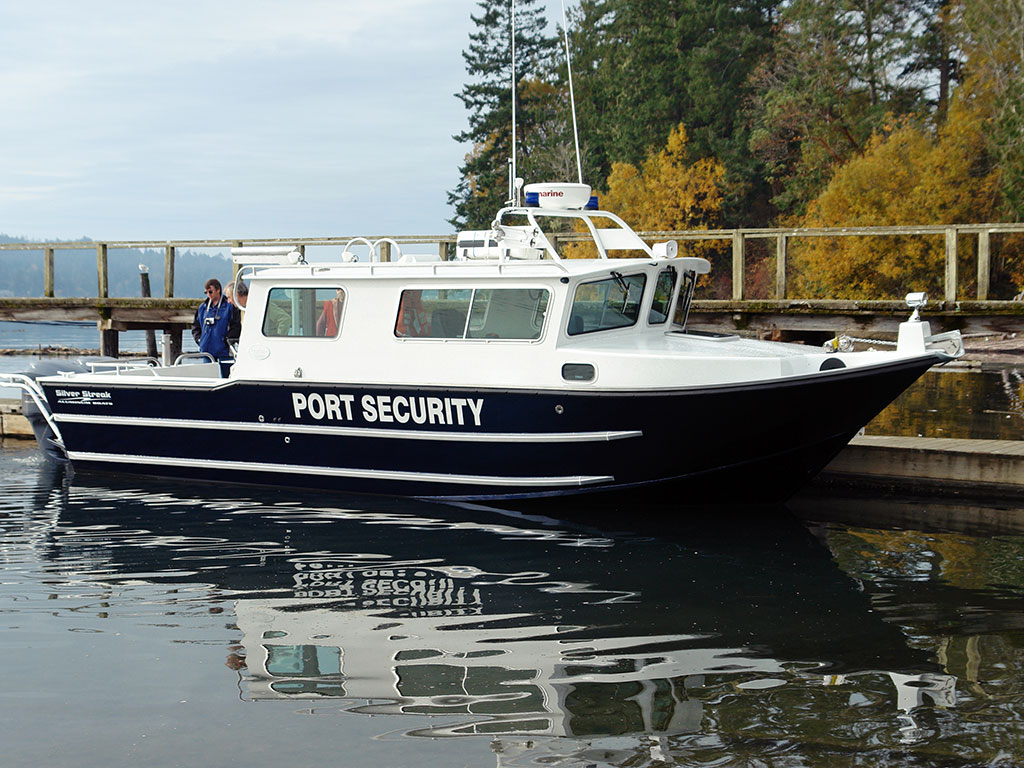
[441, 270]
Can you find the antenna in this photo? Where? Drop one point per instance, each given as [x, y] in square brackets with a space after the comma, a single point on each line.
[513, 192]
[572, 97]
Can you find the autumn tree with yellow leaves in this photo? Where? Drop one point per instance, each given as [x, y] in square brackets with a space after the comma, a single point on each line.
[904, 177]
[668, 191]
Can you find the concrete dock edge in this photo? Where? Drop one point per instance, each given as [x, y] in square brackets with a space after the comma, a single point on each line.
[932, 465]
[12, 424]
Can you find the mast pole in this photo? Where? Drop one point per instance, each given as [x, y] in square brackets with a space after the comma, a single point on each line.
[572, 97]
[513, 193]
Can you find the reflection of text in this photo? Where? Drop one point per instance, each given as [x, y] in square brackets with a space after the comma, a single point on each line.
[391, 588]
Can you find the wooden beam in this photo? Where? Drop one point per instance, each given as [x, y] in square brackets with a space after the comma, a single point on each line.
[109, 343]
[48, 273]
[144, 289]
[781, 248]
[950, 286]
[101, 272]
[737, 265]
[984, 265]
[169, 271]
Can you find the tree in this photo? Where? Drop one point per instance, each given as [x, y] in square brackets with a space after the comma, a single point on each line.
[904, 177]
[488, 96]
[644, 66]
[934, 53]
[993, 37]
[838, 69]
[670, 191]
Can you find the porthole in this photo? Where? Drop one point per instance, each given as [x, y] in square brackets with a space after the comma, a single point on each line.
[578, 372]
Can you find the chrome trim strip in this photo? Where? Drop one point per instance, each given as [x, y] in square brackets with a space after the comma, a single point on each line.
[313, 429]
[368, 474]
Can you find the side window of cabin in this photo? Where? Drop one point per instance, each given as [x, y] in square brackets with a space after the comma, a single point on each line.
[437, 314]
[482, 313]
[603, 304]
[507, 313]
[304, 312]
[685, 297]
[662, 300]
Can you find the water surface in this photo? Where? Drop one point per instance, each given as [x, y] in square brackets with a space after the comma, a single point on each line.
[163, 624]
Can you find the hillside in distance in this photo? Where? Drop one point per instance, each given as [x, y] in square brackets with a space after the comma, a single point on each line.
[21, 272]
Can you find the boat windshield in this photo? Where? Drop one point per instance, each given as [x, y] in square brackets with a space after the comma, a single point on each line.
[613, 302]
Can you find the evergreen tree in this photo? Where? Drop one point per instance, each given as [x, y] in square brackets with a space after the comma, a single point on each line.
[488, 95]
[644, 66]
[837, 74]
[934, 53]
[993, 38]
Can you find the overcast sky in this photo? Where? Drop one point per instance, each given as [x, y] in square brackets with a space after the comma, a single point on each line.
[229, 118]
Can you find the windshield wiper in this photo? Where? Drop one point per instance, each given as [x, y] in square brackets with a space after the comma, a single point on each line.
[623, 285]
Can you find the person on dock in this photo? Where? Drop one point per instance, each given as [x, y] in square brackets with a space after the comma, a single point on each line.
[217, 323]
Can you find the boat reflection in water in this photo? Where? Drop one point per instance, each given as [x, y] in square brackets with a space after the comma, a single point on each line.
[546, 636]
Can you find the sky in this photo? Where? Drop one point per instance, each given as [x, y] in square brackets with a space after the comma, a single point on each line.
[230, 118]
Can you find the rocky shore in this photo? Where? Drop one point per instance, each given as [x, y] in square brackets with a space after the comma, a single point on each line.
[49, 351]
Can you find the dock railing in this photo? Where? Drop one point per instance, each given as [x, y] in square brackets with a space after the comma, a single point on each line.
[739, 238]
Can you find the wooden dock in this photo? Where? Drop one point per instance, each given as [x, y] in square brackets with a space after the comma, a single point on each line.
[781, 315]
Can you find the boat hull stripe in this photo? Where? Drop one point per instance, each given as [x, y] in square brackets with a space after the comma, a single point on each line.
[367, 474]
[312, 429]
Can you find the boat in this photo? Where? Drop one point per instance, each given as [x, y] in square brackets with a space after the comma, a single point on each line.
[506, 371]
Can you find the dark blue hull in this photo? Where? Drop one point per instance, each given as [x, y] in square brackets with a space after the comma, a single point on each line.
[754, 442]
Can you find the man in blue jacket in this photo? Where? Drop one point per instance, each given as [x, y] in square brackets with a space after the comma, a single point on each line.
[216, 323]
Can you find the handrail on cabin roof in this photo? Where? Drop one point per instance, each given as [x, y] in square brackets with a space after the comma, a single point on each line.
[585, 215]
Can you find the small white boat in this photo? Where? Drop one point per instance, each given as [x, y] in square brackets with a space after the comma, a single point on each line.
[507, 372]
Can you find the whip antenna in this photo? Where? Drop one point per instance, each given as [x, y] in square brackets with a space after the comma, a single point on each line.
[572, 97]
[513, 193]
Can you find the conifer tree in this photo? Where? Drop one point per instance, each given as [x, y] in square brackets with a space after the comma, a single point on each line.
[993, 37]
[644, 66]
[488, 95]
[836, 74]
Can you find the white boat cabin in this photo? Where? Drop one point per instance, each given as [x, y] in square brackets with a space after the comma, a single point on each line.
[487, 323]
